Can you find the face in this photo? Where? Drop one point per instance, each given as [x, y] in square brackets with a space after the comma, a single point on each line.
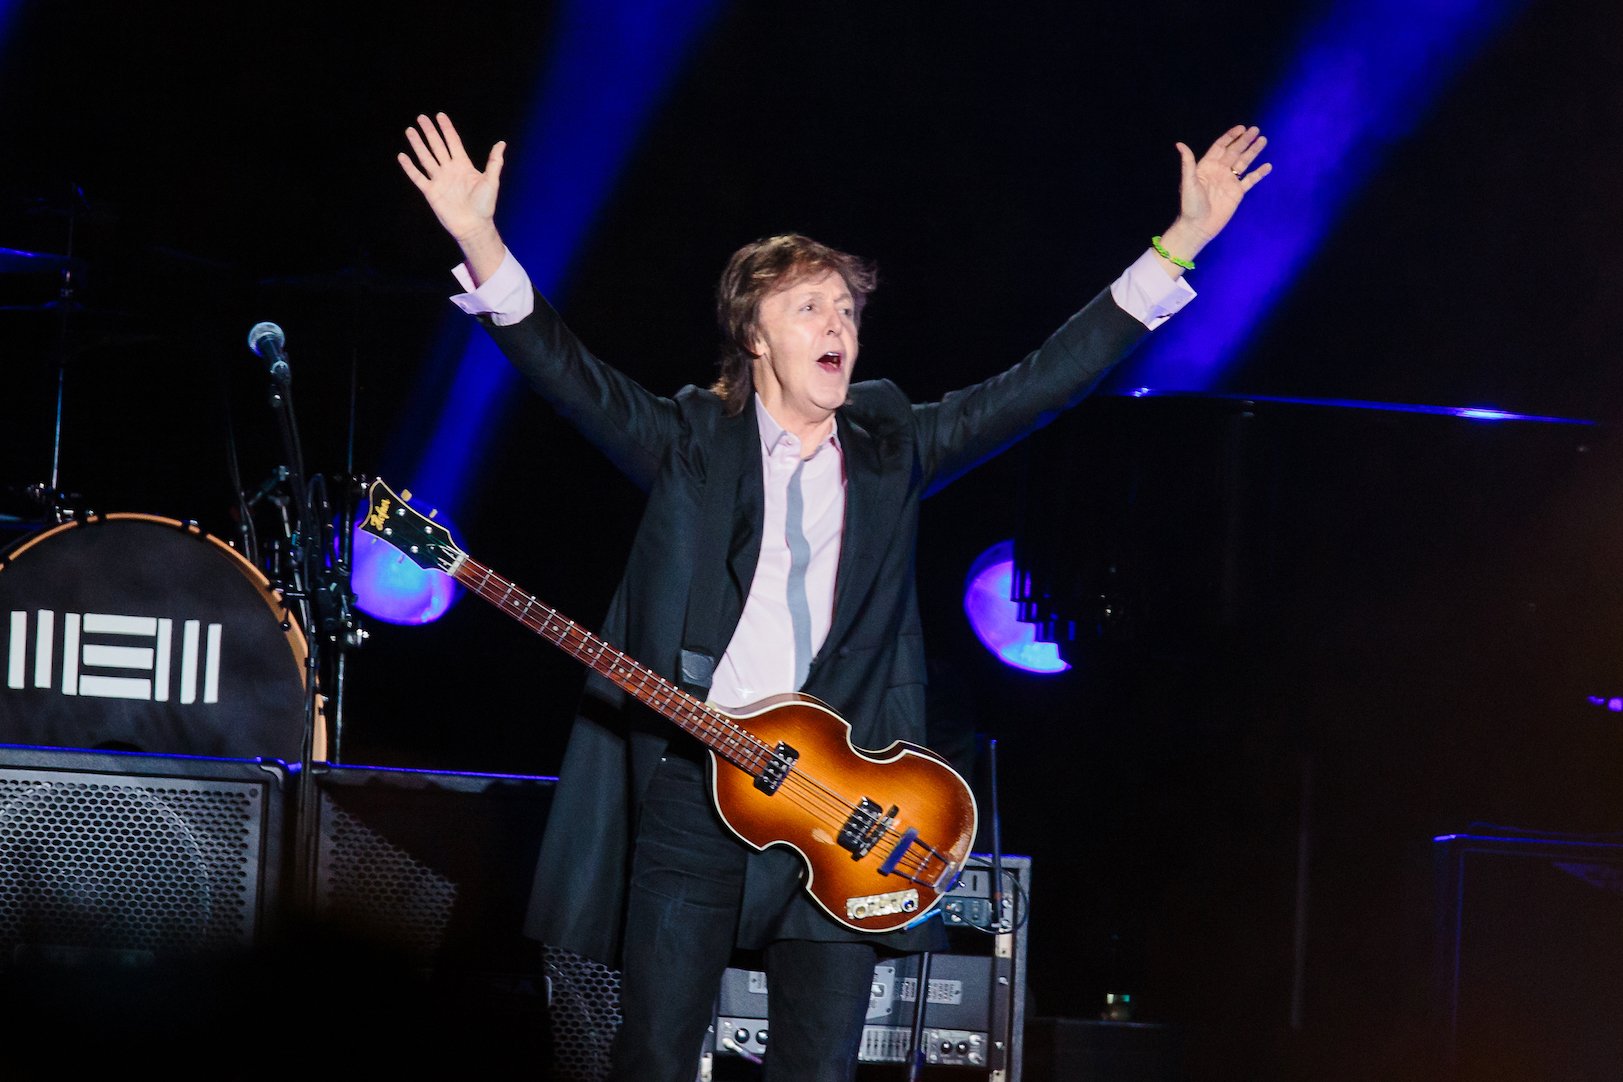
[806, 349]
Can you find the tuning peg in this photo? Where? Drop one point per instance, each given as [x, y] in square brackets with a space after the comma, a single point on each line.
[434, 512]
[405, 495]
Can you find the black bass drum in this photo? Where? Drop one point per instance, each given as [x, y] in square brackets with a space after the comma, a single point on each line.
[132, 632]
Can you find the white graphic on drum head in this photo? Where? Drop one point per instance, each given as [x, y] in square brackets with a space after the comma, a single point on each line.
[106, 644]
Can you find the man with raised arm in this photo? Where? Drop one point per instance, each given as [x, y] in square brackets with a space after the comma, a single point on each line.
[775, 555]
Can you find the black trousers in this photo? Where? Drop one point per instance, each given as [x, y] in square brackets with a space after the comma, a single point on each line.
[686, 885]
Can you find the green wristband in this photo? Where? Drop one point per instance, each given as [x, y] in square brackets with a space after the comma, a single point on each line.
[1162, 249]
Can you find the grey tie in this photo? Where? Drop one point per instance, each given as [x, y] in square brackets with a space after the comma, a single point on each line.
[799, 561]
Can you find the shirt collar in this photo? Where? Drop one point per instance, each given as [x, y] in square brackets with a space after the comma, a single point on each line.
[772, 433]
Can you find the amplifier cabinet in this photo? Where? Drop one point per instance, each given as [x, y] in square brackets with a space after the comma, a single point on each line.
[974, 1006]
[433, 866]
[1529, 978]
[125, 859]
[137, 892]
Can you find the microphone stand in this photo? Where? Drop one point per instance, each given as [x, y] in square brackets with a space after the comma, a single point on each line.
[344, 626]
[322, 594]
[340, 622]
[995, 894]
[305, 554]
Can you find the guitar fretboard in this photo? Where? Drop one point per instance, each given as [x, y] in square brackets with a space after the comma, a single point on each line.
[714, 729]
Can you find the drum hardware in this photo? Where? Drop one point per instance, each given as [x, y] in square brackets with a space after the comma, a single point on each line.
[273, 491]
[18, 261]
[66, 308]
[38, 505]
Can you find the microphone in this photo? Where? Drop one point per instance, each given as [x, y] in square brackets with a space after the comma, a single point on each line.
[267, 340]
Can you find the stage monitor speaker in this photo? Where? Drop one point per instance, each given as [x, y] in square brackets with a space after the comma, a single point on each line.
[974, 1007]
[136, 891]
[422, 888]
[431, 866]
[1530, 957]
[127, 859]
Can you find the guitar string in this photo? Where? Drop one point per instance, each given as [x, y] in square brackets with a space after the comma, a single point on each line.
[560, 630]
[747, 751]
[744, 745]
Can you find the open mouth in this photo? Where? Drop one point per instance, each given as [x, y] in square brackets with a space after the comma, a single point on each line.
[830, 361]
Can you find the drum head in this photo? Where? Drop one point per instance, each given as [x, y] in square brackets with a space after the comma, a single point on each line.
[134, 632]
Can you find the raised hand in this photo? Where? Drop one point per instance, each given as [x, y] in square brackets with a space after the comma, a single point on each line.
[1211, 189]
[461, 196]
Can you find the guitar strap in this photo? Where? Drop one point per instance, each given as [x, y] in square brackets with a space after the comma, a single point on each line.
[729, 547]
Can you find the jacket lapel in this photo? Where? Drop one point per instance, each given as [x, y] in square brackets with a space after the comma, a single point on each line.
[730, 518]
[869, 492]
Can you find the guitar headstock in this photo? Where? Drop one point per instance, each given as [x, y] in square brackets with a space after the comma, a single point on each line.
[392, 519]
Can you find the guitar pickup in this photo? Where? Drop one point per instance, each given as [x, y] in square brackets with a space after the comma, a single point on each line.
[864, 827]
[778, 765]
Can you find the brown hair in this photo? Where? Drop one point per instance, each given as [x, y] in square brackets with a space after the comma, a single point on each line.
[754, 271]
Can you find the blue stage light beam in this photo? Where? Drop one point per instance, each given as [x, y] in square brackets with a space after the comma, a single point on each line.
[1362, 80]
[608, 67]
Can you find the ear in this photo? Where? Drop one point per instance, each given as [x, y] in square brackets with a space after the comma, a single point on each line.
[761, 374]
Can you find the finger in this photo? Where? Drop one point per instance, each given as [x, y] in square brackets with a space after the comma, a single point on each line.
[1249, 154]
[493, 164]
[1222, 142]
[413, 174]
[1244, 141]
[452, 139]
[1237, 140]
[425, 158]
[1186, 163]
[1252, 178]
[431, 135]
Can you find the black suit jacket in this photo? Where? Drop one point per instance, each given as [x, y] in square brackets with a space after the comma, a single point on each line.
[690, 569]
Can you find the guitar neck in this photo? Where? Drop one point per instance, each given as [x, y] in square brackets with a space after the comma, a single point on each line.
[715, 730]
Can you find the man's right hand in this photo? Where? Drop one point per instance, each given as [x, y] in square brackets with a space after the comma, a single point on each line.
[461, 197]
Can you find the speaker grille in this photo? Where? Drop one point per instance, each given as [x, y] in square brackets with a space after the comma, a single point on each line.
[368, 883]
[584, 1007]
[96, 868]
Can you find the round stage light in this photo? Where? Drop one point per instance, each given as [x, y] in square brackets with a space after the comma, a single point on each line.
[391, 588]
[992, 611]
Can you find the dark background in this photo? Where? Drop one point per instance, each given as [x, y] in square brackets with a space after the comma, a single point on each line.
[1330, 631]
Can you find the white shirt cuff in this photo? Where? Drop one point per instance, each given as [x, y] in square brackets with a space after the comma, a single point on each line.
[1145, 291]
[506, 296]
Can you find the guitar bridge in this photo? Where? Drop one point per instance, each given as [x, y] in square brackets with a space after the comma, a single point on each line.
[777, 768]
[865, 827]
